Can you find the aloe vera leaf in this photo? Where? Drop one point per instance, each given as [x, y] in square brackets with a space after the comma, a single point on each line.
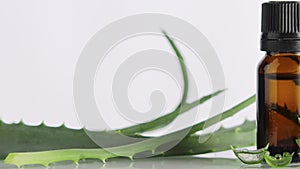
[182, 65]
[188, 146]
[278, 160]
[181, 108]
[20, 137]
[163, 121]
[129, 150]
[47, 157]
[250, 156]
[41, 140]
[220, 140]
[166, 119]
[38, 138]
[298, 142]
[228, 113]
[222, 116]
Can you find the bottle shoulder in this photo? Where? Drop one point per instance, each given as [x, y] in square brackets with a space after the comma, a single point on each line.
[280, 63]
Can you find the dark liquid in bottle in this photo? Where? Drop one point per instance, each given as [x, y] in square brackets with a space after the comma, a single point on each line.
[278, 112]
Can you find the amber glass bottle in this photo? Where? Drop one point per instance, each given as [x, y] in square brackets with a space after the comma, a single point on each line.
[278, 98]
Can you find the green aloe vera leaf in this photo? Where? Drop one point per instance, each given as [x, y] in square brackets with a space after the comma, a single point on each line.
[166, 119]
[25, 138]
[250, 156]
[216, 141]
[47, 157]
[278, 160]
[228, 113]
[191, 145]
[298, 142]
[181, 108]
[122, 151]
[162, 121]
[182, 65]
[22, 138]
[129, 150]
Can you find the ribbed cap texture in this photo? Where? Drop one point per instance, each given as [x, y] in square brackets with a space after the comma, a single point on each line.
[281, 17]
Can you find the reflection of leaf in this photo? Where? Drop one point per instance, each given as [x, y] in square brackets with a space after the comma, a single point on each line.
[297, 82]
[294, 58]
[282, 116]
[283, 110]
[280, 133]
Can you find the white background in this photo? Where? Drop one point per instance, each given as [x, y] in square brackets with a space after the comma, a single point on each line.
[40, 42]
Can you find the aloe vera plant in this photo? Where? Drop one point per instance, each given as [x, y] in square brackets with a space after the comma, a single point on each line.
[214, 144]
[22, 138]
[75, 145]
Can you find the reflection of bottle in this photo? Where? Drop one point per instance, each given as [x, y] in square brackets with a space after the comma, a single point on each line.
[279, 78]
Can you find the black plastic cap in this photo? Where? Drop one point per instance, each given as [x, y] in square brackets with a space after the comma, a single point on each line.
[280, 26]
